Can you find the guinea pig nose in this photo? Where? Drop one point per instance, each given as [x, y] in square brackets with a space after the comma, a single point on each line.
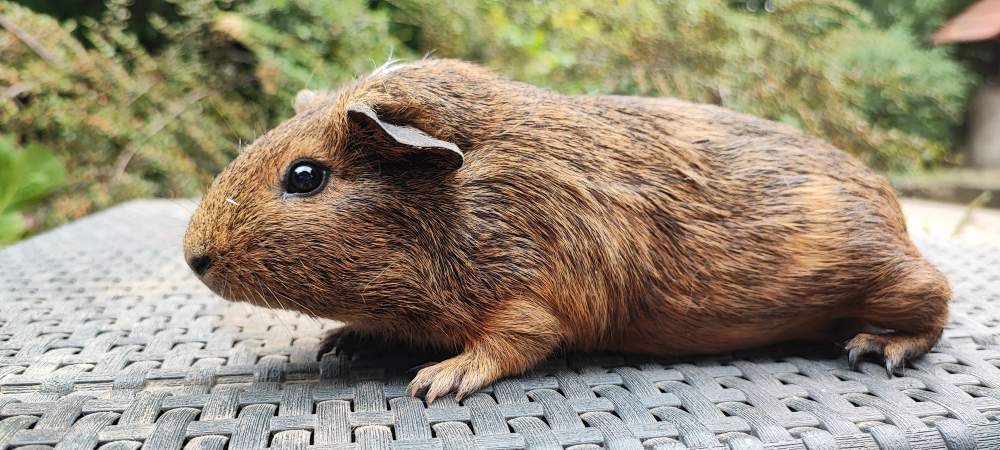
[200, 264]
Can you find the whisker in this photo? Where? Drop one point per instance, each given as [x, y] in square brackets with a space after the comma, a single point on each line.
[301, 307]
[364, 290]
[306, 272]
[297, 303]
[274, 314]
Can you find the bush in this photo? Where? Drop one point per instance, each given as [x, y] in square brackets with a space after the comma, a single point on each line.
[154, 99]
[815, 65]
[131, 123]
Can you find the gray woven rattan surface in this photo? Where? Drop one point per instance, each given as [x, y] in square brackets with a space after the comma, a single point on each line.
[107, 341]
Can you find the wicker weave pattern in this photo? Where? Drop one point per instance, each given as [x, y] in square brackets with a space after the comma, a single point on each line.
[107, 341]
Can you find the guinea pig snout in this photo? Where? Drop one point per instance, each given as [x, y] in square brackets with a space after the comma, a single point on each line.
[198, 257]
[200, 264]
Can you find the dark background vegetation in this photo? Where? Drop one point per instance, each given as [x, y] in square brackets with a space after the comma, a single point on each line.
[106, 101]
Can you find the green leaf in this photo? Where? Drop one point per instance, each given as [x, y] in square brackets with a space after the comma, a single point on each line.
[41, 173]
[27, 175]
[11, 227]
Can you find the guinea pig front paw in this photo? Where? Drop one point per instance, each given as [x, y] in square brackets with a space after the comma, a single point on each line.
[463, 375]
[349, 340]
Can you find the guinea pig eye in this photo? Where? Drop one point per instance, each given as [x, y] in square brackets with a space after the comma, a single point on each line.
[305, 178]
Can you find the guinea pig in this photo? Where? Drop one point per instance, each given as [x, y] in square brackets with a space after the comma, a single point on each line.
[438, 205]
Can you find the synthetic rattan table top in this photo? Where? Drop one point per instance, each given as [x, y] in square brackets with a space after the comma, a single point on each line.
[107, 341]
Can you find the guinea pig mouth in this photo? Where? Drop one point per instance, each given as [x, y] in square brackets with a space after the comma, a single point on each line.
[235, 291]
[218, 284]
[217, 279]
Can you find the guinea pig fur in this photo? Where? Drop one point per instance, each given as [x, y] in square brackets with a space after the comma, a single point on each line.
[438, 205]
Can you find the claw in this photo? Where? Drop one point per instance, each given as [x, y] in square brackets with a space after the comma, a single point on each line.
[324, 348]
[451, 376]
[414, 390]
[852, 358]
[893, 364]
[345, 341]
[895, 349]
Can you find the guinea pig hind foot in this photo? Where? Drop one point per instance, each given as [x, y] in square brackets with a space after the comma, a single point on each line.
[895, 348]
[915, 309]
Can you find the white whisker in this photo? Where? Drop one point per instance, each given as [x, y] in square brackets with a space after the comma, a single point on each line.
[275, 312]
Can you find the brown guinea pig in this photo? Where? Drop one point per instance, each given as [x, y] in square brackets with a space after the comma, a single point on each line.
[436, 204]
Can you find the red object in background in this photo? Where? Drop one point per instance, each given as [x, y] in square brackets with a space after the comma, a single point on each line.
[979, 22]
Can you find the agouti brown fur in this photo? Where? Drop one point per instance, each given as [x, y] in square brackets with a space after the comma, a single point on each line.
[514, 221]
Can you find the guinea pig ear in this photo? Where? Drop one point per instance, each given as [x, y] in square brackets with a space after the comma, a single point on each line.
[405, 141]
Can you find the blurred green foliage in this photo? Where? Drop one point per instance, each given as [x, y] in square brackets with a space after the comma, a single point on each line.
[827, 67]
[133, 123]
[923, 17]
[153, 98]
[26, 176]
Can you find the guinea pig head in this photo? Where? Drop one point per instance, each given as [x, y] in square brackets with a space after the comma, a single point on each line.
[325, 213]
